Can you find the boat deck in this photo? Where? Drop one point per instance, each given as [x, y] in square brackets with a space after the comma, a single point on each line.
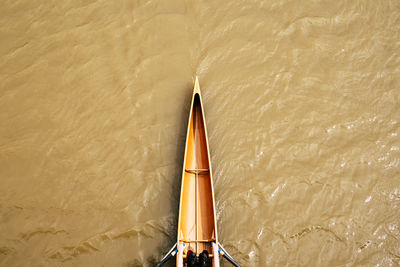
[197, 224]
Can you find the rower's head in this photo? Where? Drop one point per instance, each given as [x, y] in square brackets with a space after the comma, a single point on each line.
[203, 258]
[191, 259]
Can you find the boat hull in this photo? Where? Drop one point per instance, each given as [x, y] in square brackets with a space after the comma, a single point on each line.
[197, 223]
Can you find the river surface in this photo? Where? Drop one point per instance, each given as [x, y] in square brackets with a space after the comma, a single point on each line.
[302, 104]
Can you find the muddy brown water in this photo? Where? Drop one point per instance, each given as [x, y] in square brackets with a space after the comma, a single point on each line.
[302, 108]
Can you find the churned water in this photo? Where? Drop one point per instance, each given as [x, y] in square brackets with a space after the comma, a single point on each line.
[303, 112]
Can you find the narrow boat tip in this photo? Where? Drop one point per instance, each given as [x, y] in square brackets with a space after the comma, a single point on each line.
[196, 86]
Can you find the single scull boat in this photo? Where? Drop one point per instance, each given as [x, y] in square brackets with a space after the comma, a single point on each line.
[197, 241]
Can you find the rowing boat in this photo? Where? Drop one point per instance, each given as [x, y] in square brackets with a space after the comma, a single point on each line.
[197, 226]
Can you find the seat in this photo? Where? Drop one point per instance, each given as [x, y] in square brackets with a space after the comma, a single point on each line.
[198, 171]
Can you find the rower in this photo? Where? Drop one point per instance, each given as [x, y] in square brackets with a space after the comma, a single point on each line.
[191, 259]
[203, 259]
